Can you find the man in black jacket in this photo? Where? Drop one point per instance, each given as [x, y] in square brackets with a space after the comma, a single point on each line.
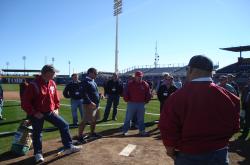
[245, 100]
[72, 91]
[112, 90]
[165, 90]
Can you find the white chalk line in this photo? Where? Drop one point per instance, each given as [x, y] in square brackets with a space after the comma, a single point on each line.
[119, 109]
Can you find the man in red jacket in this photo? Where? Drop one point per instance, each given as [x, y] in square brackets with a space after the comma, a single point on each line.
[136, 94]
[198, 120]
[41, 102]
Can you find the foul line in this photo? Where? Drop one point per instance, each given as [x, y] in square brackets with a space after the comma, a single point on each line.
[119, 109]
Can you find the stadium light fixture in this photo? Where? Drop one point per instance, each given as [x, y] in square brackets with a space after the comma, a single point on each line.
[24, 67]
[7, 66]
[69, 68]
[117, 11]
[53, 60]
[156, 56]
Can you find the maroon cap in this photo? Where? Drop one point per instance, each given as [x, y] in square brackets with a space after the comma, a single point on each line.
[138, 74]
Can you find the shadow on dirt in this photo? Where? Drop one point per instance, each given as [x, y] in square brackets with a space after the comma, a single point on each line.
[29, 160]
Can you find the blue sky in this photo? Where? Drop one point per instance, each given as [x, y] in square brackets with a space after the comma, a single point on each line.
[83, 32]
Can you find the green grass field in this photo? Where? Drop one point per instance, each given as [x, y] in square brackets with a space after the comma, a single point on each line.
[14, 115]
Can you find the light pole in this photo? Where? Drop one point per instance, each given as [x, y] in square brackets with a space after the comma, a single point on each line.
[69, 68]
[53, 60]
[117, 11]
[45, 60]
[7, 64]
[24, 58]
[156, 56]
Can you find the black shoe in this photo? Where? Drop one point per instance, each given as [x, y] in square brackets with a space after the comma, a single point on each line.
[95, 135]
[104, 120]
[83, 139]
[144, 134]
[114, 118]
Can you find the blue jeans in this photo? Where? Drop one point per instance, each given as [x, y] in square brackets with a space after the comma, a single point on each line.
[58, 122]
[132, 110]
[111, 99]
[74, 105]
[218, 157]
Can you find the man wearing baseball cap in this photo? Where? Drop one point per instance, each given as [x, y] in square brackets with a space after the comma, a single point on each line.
[41, 103]
[136, 94]
[198, 120]
[230, 78]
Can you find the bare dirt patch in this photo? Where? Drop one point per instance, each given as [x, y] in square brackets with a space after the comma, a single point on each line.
[11, 95]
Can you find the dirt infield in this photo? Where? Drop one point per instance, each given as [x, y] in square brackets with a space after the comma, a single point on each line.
[105, 151]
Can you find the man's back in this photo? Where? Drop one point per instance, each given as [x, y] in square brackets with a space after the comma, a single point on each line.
[207, 114]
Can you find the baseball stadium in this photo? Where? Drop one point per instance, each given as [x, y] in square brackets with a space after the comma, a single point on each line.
[108, 94]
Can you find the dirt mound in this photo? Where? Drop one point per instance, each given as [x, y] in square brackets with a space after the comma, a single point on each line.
[104, 151]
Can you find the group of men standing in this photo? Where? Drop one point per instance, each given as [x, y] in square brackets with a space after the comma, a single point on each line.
[196, 121]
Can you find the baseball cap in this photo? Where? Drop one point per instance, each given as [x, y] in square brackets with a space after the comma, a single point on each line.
[201, 62]
[138, 73]
[222, 77]
[165, 74]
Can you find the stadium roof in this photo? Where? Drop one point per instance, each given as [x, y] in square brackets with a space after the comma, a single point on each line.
[238, 49]
[20, 70]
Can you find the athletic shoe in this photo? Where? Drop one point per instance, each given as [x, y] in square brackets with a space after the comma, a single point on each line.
[72, 149]
[83, 139]
[125, 134]
[39, 158]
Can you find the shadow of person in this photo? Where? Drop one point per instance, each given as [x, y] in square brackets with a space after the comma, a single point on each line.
[30, 160]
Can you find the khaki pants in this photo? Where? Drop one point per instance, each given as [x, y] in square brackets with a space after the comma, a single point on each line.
[90, 115]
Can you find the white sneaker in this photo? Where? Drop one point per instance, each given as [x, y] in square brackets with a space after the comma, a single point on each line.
[72, 149]
[125, 134]
[39, 158]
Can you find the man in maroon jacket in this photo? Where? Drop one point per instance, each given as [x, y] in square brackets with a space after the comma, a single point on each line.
[136, 94]
[41, 102]
[198, 120]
